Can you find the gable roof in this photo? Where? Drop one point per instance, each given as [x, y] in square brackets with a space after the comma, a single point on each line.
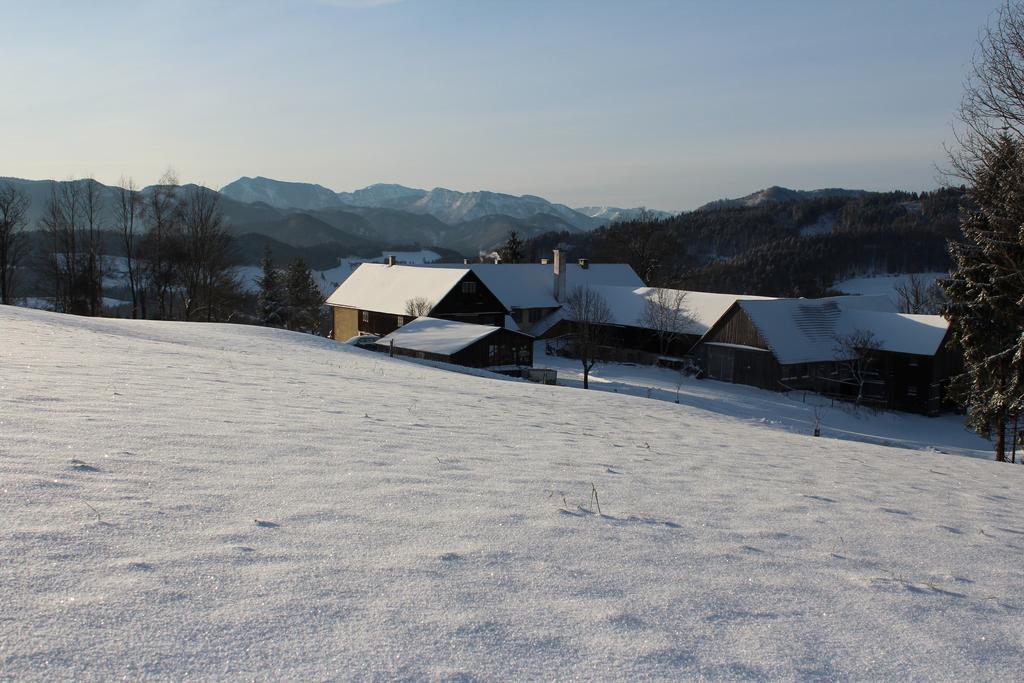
[629, 304]
[806, 330]
[384, 288]
[532, 285]
[434, 335]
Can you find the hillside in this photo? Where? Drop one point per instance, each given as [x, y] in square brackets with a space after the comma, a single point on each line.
[227, 502]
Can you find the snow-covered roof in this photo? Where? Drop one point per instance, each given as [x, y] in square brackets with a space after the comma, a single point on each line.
[387, 289]
[433, 335]
[628, 305]
[532, 285]
[807, 330]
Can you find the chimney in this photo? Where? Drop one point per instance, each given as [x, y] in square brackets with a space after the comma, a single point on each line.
[544, 261]
[391, 260]
[465, 261]
[584, 263]
[559, 270]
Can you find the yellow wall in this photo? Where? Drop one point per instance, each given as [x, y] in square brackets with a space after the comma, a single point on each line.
[346, 323]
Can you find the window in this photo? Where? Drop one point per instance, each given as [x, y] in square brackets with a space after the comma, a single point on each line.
[469, 287]
[366, 316]
[911, 392]
[401, 320]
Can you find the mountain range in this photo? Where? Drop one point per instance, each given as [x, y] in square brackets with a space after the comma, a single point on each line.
[322, 224]
[448, 206]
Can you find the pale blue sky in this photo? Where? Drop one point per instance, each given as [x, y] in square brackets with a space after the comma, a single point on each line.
[665, 104]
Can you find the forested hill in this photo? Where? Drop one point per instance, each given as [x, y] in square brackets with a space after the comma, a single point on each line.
[791, 248]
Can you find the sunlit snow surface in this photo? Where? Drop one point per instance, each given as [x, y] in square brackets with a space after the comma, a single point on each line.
[225, 502]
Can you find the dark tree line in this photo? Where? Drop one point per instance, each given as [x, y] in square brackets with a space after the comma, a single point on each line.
[289, 298]
[796, 248]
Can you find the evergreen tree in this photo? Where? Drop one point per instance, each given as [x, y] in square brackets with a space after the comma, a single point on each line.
[305, 301]
[986, 292]
[512, 250]
[272, 296]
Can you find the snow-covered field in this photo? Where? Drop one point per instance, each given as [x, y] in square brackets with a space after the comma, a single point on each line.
[796, 412]
[225, 502]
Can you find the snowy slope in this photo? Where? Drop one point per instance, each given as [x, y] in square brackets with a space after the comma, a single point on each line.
[226, 502]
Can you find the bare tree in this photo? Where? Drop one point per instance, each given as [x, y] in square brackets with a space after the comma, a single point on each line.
[666, 313]
[914, 295]
[63, 263]
[127, 211]
[855, 353]
[418, 306]
[14, 205]
[161, 214]
[204, 266]
[590, 316]
[993, 101]
[92, 257]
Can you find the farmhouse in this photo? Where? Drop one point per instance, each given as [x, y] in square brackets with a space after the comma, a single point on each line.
[449, 341]
[379, 298]
[839, 346]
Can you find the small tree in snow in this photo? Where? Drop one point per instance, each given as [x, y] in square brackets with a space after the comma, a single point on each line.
[590, 315]
[854, 355]
[666, 313]
[418, 306]
[915, 296]
[305, 300]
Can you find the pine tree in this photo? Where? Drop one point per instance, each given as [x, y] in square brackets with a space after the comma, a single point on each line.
[986, 292]
[272, 297]
[305, 301]
[512, 250]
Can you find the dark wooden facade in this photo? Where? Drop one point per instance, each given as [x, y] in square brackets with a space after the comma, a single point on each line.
[500, 348]
[734, 351]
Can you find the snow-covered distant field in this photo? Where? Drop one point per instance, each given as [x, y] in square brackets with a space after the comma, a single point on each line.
[882, 284]
[329, 280]
[226, 502]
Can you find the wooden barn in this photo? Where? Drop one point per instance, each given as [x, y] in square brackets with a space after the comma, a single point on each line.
[471, 345]
[630, 335]
[785, 344]
[377, 299]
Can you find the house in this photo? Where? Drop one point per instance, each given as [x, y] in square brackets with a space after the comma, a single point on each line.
[460, 343]
[631, 329]
[378, 298]
[531, 292]
[837, 346]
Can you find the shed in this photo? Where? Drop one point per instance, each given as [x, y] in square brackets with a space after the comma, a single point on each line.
[451, 341]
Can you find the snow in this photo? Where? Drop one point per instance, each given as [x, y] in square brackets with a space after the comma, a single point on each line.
[185, 500]
[808, 330]
[793, 412]
[434, 335]
[387, 289]
[531, 285]
[628, 305]
[883, 284]
[330, 279]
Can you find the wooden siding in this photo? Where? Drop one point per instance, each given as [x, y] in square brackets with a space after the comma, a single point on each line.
[471, 302]
[735, 327]
[345, 323]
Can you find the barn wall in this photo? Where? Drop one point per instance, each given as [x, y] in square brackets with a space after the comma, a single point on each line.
[510, 349]
[345, 323]
[736, 328]
[478, 306]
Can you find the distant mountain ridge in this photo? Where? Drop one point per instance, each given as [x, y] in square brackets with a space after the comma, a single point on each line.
[449, 206]
[777, 195]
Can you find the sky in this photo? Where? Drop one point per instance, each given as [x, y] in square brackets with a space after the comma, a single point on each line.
[665, 104]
